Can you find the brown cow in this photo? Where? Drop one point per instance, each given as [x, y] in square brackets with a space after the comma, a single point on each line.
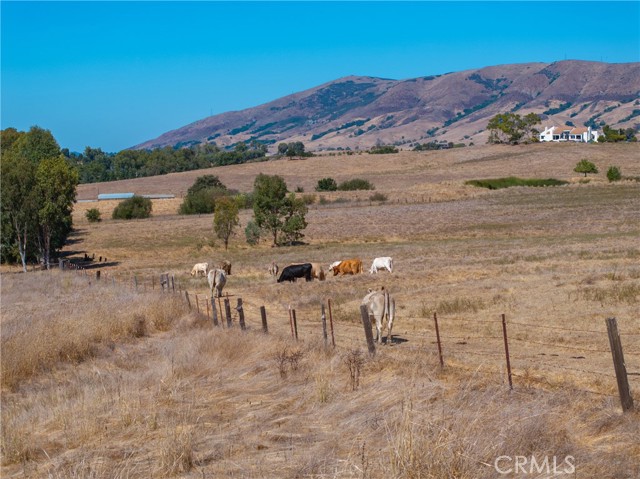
[226, 267]
[348, 266]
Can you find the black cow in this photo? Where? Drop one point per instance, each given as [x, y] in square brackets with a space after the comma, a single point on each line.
[290, 273]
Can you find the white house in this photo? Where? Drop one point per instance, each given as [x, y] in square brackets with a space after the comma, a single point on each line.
[569, 133]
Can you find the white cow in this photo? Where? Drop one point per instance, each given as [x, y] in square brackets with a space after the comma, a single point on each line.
[384, 262]
[381, 304]
[217, 279]
[200, 268]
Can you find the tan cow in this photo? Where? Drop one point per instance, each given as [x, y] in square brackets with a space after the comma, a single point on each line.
[317, 271]
[217, 279]
[348, 266]
[380, 305]
[200, 268]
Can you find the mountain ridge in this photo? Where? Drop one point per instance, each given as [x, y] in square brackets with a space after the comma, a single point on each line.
[357, 112]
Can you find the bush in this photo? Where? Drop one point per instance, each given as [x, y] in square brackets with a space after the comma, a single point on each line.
[355, 184]
[133, 208]
[498, 183]
[309, 199]
[378, 197]
[93, 215]
[327, 184]
[383, 150]
[613, 174]
[252, 233]
[202, 201]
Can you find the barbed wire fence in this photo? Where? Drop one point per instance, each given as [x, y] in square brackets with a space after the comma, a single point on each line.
[502, 346]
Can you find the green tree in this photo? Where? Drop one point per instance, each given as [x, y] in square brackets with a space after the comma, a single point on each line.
[225, 219]
[38, 189]
[276, 211]
[56, 183]
[201, 196]
[294, 219]
[19, 204]
[252, 233]
[282, 148]
[295, 148]
[585, 166]
[327, 184]
[513, 129]
[614, 174]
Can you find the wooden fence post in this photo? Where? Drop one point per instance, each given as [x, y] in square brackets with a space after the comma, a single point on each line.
[291, 322]
[227, 310]
[240, 314]
[333, 339]
[135, 281]
[186, 295]
[506, 349]
[263, 315]
[197, 304]
[618, 364]
[295, 323]
[98, 275]
[173, 284]
[435, 320]
[214, 315]
[366, 322]
[324, 326]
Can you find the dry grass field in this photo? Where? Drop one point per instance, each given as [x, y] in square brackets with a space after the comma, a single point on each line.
[102, 380]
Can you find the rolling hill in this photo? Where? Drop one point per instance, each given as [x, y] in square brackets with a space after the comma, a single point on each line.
[358, 112]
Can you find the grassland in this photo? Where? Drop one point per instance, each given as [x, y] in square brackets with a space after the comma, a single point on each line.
[102, 381]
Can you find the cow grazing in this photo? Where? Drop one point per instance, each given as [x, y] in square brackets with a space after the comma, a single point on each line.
[317, 271]
[200, 268]
[385, 262]
[226, 267]
[380, 305]
[348, 266]
[293, 271]
[273, 269]
[217, 279]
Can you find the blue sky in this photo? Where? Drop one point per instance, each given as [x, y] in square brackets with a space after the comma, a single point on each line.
[113, 74]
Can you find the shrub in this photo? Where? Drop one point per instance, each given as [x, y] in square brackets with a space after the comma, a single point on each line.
[202, 201]
[383, 150]
[613, 174]
[327, 184]
[378, 197]
[135, 207]
[252, 233]
[93, 215]
[309, 199]
[355, 184]
[498, 183]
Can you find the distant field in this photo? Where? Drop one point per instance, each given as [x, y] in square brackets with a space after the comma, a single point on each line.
[556, 261]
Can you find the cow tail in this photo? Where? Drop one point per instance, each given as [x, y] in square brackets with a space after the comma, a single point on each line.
[386, 304]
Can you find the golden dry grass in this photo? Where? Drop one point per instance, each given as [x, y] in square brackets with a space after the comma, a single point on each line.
[189, 400]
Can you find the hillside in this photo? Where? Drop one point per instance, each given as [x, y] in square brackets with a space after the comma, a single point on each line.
[358, 112]
[112, 378]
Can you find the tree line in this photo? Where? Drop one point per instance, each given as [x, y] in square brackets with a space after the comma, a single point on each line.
[95, 165]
